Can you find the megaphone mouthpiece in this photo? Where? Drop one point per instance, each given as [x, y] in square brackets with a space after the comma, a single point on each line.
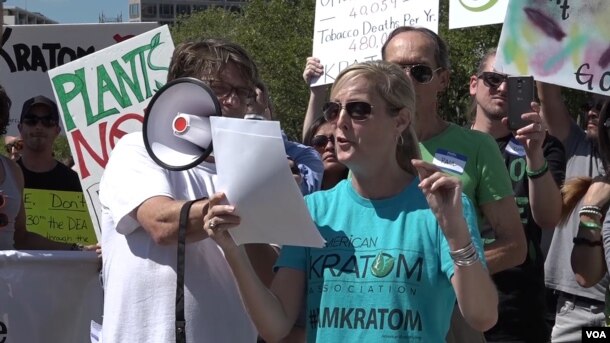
[183, 140]
[194, 129]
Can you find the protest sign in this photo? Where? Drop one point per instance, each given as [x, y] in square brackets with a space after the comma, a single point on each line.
[351, 31]
[102, 97]
[48, 296]
[560, 42]
[59, 216]
[29, 51]
[467, 13]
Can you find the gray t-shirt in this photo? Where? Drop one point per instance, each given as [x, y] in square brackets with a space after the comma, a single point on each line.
[583, 160]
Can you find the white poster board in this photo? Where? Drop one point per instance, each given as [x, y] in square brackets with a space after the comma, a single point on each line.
[468, 13]
[102, 97]
[347, 32]
[29, 51]
[48, 296]
[558, 44]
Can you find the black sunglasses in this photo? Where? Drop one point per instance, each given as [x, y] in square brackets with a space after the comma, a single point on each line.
[32, 120]
[492, 79]
[321, 141]
[420, 72]
[357, 110]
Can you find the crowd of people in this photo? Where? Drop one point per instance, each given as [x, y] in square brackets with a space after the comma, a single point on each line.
[434, 231]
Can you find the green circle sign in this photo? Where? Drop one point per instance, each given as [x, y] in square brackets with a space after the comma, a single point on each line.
[481, 8]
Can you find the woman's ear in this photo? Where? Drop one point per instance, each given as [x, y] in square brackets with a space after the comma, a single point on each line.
[403, 120]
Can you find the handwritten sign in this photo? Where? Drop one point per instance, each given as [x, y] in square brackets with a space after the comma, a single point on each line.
[102, 97]
[467, 13]
[29, 51]
[58, 215]
[561, 42]
[352, 31]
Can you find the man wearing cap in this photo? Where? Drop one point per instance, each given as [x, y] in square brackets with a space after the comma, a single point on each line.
[39, 127]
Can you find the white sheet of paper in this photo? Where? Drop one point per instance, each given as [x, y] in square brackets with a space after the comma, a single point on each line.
[253, 172]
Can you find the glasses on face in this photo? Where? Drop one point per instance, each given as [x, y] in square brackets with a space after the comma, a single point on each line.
[492, 79]
[33, 120]
[17, 145]
[357, 110]
[224, 90]
[420, 72]
[321, 141]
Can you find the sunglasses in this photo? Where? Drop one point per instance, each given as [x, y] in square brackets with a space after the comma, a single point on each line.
[492, 79]
[356, 110]
[33, 120]
[321, 141]
[420, 72]
[17, 145]
[224, 90]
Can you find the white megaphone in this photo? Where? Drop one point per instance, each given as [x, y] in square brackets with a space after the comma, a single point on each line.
[177, 131]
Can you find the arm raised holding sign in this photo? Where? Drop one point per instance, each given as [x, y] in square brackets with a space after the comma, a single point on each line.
[317, 95]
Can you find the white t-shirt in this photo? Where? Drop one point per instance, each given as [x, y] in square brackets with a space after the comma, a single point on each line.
[140, 276]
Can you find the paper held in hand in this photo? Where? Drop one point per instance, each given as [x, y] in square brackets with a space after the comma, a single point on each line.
[253, 173]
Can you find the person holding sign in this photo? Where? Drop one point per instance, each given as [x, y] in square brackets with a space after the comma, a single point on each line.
[577, 306]
[537, 162]
[13, 233]
[141, 205]
[402, 240]
[39, 127]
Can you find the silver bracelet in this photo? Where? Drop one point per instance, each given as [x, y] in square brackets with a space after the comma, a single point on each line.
[590, 211]
[466, 262]
[465, 256]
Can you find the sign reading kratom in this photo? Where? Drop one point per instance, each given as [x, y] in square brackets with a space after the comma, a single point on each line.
[29, 51]
[348, 32]
[561, 42]
[102, 97]
[58, 215]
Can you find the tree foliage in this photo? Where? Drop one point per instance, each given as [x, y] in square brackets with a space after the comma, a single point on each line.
[279, 35]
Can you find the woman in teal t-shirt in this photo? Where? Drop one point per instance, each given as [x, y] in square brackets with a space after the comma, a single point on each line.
[399, 248]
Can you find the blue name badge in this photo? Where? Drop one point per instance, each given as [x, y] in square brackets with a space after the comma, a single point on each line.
[515, 148]
[450, 161]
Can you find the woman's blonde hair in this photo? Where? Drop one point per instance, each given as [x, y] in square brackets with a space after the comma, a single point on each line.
[396, 89]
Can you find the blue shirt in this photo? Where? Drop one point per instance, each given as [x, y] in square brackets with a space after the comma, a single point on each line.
[309, 162]
[385, 272]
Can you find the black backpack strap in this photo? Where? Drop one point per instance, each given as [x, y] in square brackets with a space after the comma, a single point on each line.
[180, 320]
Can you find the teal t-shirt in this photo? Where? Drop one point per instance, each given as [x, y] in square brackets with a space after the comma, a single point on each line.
[384, 274]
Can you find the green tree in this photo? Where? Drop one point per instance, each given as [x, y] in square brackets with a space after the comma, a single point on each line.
[61, 149]
[279, 35]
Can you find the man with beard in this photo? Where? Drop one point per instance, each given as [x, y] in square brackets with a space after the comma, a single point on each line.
[536, 162]
[39, 127]
[576, 306]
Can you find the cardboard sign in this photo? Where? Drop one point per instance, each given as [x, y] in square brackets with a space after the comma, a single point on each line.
[102, 97]
[468, 13]
[560, 42]
[29, 51]
[348, 32]
[59, 216]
